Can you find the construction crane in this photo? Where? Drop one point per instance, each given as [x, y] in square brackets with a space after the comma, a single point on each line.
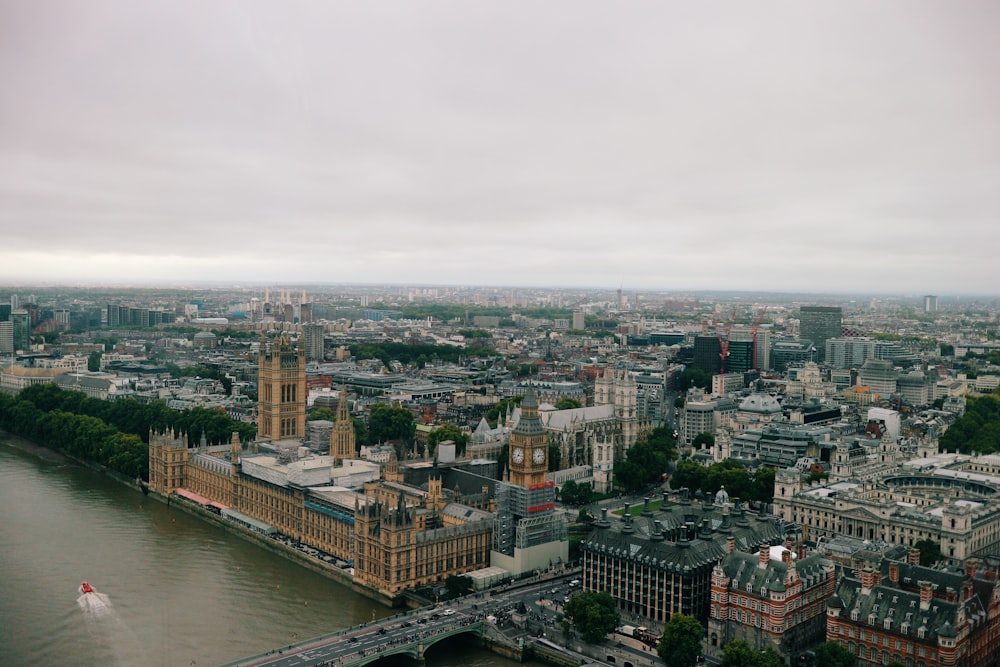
[753, 333]
[723, 350]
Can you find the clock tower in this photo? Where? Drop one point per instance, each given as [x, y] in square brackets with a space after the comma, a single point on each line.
[529, 447]
[527, 533]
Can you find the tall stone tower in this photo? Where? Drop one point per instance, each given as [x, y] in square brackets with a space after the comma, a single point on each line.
[168, 455]
[527, 533]
[342, 440]
[281, 387]
[529, 446]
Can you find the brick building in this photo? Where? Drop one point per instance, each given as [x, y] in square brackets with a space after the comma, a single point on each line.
[771, 599]
[917, 616]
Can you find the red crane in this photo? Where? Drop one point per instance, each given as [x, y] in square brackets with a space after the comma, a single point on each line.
[753, 331]
[723, 350]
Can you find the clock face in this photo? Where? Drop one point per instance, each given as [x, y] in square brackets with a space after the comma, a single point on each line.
[538, 456]
[518, 455]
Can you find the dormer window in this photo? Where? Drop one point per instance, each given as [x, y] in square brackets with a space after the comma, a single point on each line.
[921, 631]
[887, 624]
[871, 619]
[854, 614]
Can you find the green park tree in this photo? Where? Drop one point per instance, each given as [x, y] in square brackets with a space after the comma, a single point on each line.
[703, 440]
[739, 654]
[593, 614]
[930, 552]
[388, 422]
[458, 585]
[680, 644]
[646, 460]
[567, 403]
[448, 432]
[832, 654]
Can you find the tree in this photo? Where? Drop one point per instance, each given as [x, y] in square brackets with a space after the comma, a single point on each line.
[388, 422]
[94, 361]
[448, 432]
[526, 370]
[705, 439]
[458, 585]
[739, 654]
[576, 494]
[832, 654]
[680, 645]
[694, 377]
[500, 409]
[322, 413]
[930, 552]
[593, 614]
[567, 403]
[646, 460]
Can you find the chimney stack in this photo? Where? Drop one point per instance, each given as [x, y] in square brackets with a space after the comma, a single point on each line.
[971, 565]
[870, 578]
[894, 572]
[967, 590]
[914, 556]
[730, 544]
[926, 595]
[765, 555]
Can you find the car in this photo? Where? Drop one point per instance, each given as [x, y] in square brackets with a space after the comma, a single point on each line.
[406, 624]
[447, 612]
[352, 640]
[421, 621]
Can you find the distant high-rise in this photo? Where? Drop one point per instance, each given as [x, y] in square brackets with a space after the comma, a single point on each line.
[6, 337]
[22, 329]
[930, 304]
[819, 323]
[579, 321]
[313, 342]
[707, 353]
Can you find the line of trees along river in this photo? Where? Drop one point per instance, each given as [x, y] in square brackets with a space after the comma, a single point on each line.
[173, 590]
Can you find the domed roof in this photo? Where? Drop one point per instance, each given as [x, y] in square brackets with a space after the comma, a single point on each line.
[760, 403]
[721, 497]
[205, 335]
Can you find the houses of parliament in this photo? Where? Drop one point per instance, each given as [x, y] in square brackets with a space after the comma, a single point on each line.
[395, 535]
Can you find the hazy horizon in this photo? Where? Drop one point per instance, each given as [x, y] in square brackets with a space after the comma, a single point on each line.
[848, 147]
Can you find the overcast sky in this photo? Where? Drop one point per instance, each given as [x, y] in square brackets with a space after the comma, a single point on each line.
[800, 146]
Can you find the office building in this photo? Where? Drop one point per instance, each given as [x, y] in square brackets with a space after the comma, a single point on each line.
[21, 321]
[660, 562]
[707, 353]
[848, 352]
[313, 342]
[930, 303]
[879, 375]
[6, 338]
[819, 323]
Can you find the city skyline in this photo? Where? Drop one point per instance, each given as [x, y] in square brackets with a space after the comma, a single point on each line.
[785, 148]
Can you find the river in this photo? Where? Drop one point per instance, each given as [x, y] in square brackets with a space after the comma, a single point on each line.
[172, 590]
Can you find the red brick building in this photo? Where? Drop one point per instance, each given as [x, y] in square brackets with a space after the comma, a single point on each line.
[918, 616]
[770, 599]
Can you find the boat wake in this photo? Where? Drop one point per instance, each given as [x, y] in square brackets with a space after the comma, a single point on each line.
[93, 602]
